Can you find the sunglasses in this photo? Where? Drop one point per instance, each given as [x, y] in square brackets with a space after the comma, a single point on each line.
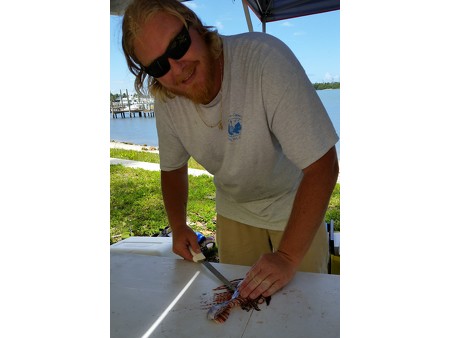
[176, 50]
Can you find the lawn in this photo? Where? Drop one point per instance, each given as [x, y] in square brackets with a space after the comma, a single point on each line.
[136, 205]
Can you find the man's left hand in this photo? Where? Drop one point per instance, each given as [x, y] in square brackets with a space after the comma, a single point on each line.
[270, 273]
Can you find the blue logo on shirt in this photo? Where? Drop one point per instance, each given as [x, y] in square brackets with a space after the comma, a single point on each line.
[234, 126]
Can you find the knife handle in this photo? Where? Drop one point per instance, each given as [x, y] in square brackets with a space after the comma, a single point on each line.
[197, 256]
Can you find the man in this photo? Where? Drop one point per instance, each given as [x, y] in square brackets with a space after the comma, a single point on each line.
[243, 107]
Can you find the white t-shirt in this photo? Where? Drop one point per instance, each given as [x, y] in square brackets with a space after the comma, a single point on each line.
[274, 126]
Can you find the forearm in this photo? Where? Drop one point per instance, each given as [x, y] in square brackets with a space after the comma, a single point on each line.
[274, 270]
[309, 207]
[174, 186]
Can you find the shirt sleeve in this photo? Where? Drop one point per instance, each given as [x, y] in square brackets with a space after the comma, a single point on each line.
[172, 153]
[295, 113]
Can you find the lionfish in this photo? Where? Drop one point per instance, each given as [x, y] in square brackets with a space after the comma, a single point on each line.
[226, 300]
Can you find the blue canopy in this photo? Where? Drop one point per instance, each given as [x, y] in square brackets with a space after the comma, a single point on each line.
[273, 10]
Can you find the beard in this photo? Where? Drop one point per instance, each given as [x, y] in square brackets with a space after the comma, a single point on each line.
[201, 92]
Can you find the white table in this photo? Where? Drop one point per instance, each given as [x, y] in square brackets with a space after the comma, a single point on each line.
[143, 290]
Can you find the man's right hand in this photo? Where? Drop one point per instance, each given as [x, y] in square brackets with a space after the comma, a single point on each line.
[183, 238]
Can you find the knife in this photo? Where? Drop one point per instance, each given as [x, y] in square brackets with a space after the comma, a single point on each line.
[200, 257]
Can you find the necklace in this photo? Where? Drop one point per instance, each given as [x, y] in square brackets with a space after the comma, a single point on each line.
[218, 124]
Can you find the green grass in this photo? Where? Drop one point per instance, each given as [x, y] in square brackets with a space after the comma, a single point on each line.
[137, 209]
[144, 156]
[136, 205]
[334, 207]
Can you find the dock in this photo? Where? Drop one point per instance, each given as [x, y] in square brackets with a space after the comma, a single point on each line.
[135, 107]
[121, 112]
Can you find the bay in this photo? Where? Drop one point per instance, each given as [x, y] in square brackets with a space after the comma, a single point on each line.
[136, 130]
[331, 99]
[142, 130]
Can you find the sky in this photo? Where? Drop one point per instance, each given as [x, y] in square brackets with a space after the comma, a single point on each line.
[314, 39]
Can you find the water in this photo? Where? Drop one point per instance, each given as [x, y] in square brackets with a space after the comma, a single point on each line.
[331, 99]
[136, 130]
[142, 130]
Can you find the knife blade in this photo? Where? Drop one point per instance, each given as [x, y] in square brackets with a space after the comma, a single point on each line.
[200, 258]
[219, 275]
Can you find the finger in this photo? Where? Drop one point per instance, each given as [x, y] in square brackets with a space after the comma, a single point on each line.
[261, 289]
[245, 287]
[194, 245]
[256, 286]
[272, 289]
[183, 251]
[256, 273]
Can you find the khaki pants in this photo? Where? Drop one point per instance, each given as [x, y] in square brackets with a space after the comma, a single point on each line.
[242, 244]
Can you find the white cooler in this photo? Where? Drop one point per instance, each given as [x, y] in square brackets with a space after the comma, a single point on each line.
[152, 246]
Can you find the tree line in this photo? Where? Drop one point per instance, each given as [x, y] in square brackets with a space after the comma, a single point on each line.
[317, 86]
[327, 85]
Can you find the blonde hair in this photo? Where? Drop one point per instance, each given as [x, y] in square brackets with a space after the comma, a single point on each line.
[136, 15]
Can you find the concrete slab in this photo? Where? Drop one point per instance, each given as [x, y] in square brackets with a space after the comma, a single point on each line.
[151, 166]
